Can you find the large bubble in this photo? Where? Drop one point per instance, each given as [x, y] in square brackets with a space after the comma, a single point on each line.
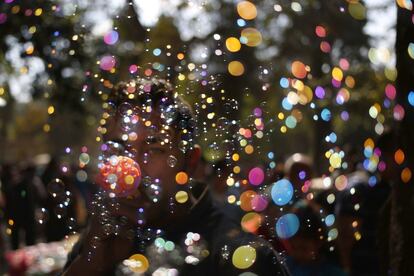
[282, 192]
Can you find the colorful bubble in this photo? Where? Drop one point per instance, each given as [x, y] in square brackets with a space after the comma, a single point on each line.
[119, 175]
[244, 257]
[250, 222]
[256, 176]
[251, 37]
[287, 226]
[282, 192]
[111, 37]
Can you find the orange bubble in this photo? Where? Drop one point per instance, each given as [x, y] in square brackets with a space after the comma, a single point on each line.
[181, 178]
[252, 37]
[251, 222]
[299, 69]
[406, 175]
[236, 68]
[399, 157]
[246, 200]
[247, 10]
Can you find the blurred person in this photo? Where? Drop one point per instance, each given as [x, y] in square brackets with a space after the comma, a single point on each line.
[24, 193]
[306, 249]
[163, 148]
[358, 211]
[298, 169]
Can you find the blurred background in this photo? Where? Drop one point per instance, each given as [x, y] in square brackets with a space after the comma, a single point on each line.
[316, 92]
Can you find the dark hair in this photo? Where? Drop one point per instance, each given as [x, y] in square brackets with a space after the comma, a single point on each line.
[139, 94]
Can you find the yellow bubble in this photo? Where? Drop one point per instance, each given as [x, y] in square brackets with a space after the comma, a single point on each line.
[247, 10]
[357, 10]
[181, 196]
[335, 160]
[233, 44]
[38, 12]
[244, 257]
[236, 68]
[253, 36]
[305, 95]
[337, 74]
[129, 179]
[50, 110]
[236, 157]
[138, 263]
[181, 178]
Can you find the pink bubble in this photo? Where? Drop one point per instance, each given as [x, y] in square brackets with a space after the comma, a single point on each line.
[107, 63]
[111, 38]
[133, 69]
[390, 91]
[399, 112]
[259, 203]
[256, 176]
[344, 64]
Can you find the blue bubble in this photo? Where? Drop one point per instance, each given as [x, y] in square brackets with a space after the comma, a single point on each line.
[270, 155]
[157, 52]
[287, 226]
[241, 22]
[326, 115]
[290, 122]
[372, 181]
[332, 137]
[284, 82]
[286, 105]
[329, 220]
[282, 192]
[411, 98]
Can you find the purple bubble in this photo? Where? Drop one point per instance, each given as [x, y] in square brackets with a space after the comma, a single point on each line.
[256, 176]
[107, 63]
[257, 112]
[111, 38]
[259, 203]
[345, 115]
[3, 18]
[320, 92]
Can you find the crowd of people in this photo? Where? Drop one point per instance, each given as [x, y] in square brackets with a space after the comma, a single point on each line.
[337, 223]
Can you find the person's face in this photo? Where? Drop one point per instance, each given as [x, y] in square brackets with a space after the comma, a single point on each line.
[156, 151]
